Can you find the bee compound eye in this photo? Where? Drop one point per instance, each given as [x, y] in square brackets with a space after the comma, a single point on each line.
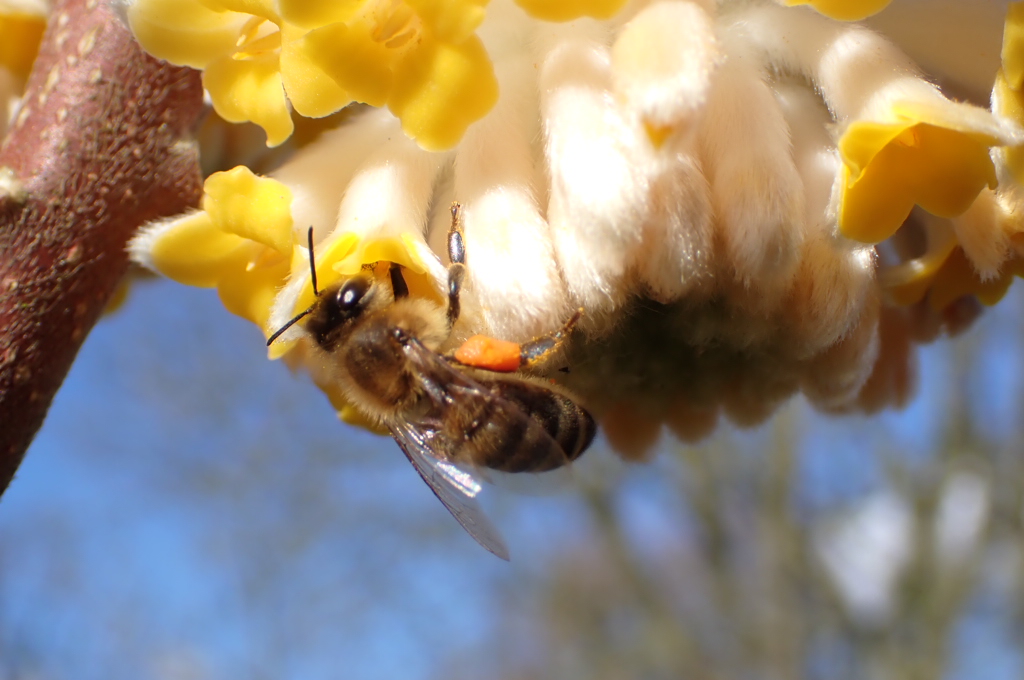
[350, 295]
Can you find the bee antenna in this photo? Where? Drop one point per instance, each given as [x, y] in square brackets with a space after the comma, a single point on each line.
[312, 268]
[312, 276]
[288, 325]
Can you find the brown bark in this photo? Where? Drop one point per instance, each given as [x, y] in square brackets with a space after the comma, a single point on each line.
[95, 151]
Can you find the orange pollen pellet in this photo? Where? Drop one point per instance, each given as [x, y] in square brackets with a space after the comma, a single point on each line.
[492, 354]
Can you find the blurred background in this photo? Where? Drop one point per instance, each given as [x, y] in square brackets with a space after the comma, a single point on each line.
[191, 511]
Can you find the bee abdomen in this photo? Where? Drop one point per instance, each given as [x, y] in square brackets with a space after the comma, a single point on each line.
[557, 430]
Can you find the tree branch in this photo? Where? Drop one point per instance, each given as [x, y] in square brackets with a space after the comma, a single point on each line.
[95, 151]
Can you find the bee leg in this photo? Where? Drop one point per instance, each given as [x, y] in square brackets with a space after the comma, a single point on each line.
[538, 350]
[457, 268]
[456, 242]
[456, 272]
[398, 285]
[502, 356]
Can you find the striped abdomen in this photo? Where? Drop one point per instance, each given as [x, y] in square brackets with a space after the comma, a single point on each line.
[525, 427]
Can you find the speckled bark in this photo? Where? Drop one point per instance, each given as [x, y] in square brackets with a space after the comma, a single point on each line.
[96, 151]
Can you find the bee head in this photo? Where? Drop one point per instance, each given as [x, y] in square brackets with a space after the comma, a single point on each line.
[332, 308]
[336, 307]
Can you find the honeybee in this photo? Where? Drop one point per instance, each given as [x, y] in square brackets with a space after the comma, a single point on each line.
[453, 416]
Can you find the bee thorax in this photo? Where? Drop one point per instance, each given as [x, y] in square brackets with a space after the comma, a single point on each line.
[375, 370]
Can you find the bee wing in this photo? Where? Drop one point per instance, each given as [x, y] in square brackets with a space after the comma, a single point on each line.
[453, 486]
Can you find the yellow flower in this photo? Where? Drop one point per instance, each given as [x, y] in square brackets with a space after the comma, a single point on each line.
[909, 282]
[239, 243]
[958, 278]
[844, 10]
[1007, 94]
[950, 266]
[419, 58]
[1010, 104]
[237, 51]
[967, 256]
[567, 10]
[933, 156]
[1013, 45]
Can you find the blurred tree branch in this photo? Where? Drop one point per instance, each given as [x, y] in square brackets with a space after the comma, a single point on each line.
[96, 150]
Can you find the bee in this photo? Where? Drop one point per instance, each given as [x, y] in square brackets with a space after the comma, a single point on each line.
[453, 416]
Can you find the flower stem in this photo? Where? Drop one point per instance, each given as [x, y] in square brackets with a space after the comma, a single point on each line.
[95, 151]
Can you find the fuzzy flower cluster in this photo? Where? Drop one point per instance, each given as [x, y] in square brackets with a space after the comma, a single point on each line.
[789, 187]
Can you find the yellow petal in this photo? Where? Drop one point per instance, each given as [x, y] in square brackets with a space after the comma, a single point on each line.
[1013, 45]
[450, 20]
[250, 90]
[260, 8]
[249, 291]
[401, 250]
[1011, 105]
[335, 249]
[888, 167]
[567, 10]
[844, 10]
[406, 249]
[120, 294]
[195, 252]
[908, 283]
[347, 60]
[441, 89]
[19, 41]
[253, 44]
[1015, 162]
[911, 292]
[255, 208]
[184, 32]
[309, 15]
[346, 255]
[312, 92]
[958, 278]
[352, 416]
